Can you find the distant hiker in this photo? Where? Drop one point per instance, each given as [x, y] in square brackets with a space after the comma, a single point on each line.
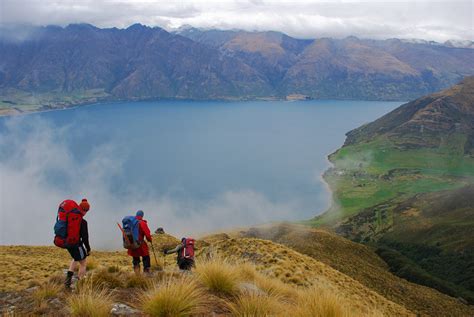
[185, 251]
[72, 234]
[135, 230]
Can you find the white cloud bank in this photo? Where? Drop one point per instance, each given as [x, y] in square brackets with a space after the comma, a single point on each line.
[32, 149]
[429, 20]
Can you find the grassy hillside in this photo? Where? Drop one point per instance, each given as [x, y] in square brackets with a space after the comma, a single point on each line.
[236, 275]
[357, 261]
[404, 183]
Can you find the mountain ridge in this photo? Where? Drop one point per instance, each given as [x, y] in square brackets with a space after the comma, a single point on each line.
[55, 67]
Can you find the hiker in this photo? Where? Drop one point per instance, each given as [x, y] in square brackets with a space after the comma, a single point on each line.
[73, 235]
[141, 247]
[185, 252]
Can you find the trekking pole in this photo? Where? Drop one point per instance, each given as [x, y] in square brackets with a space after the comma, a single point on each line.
[154, 254]
[164, 261]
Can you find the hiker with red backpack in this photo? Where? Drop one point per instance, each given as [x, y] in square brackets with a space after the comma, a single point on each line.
[72, 234]
[185, 251]
[135, 230]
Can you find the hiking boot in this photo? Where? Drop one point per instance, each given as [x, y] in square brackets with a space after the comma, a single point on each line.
[68, 281]
[147, 272]
[136, 269]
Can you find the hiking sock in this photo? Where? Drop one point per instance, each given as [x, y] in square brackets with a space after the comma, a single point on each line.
[68, 281]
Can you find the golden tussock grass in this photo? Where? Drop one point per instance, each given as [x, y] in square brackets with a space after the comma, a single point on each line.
[90, 301]
[102, 278]
[247, 271]
[319, 302]
[271, 286]
[91, 263]
[132, 280]
[219, 276]
[174, 297]
[276, 288]
[255, 304]
[113, 269]
[46, 291]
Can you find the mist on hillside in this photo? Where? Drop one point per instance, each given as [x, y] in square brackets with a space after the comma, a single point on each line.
[33, 152]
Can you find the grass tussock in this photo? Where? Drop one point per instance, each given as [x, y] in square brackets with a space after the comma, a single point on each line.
[255, 304]
[91, 264]
[219, 276]
[178, 298]
[276, 288]
[103, 278]
[57, 279]
[90, 301]
[46, 291]
[247, 272]
[317, 302]
[136, 281]
[113, 269]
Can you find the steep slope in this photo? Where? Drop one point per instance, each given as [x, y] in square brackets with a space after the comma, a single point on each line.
[360, 263]
[425, 122]
[272, 53]
[404, 184]
[306, 258]
[355, 69]
[274, 261]
[295, 268]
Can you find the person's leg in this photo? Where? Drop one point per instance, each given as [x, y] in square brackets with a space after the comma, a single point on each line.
[146, 263]
[82, 268]
[136, 264]
[72, 266]
[70, 274]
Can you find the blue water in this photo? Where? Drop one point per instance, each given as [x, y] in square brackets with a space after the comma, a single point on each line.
[186, 153]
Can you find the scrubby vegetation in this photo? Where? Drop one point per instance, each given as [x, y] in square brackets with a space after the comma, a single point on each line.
[90, 300]
[179, 297]
[234, 276]
[221, 284]
[219, 276]
[408, 269]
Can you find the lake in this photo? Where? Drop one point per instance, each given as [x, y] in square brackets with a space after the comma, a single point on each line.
[192, 166]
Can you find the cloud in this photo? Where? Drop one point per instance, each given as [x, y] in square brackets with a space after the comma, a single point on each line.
[431, 20]
[38, 171]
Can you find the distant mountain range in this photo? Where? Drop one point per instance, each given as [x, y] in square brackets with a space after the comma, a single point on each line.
[81, 62]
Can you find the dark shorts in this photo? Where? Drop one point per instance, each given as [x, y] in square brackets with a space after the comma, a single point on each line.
[78, 253]
[185, 264]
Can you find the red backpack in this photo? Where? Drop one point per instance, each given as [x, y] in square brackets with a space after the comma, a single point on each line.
[188, 250]
[68, 224]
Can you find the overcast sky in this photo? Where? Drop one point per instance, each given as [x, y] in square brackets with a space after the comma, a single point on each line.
[430, 20]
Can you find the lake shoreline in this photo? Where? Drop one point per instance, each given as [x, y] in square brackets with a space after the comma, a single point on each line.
[59, 106]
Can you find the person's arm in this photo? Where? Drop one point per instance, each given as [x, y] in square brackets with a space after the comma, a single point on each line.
[146, 230]
[177, 249]
[85, 235]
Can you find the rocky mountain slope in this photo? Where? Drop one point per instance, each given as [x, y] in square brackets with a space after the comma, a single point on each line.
[54, 67]
[404, 183]
[349, 68]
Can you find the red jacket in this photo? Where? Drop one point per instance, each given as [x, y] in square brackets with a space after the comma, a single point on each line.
[143, 232]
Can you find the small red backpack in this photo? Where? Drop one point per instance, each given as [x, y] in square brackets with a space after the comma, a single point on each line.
[68, 224]
[188, 250]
